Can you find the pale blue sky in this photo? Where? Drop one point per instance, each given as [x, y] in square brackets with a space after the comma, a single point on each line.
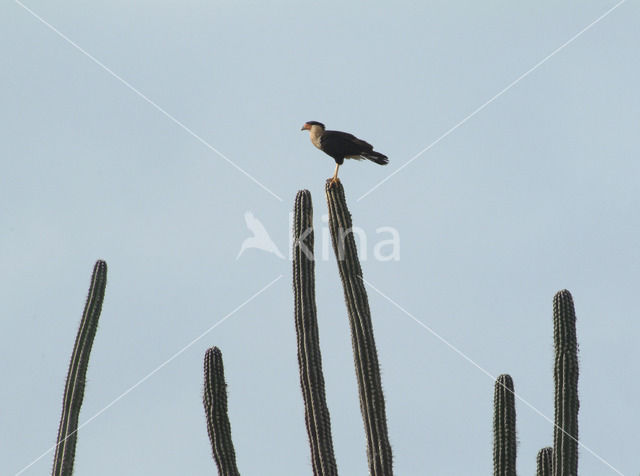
[536, 192]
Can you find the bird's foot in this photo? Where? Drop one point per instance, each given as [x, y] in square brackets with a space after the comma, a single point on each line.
[332, 181]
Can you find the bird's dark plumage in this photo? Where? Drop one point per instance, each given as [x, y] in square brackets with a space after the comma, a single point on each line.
[342, 145]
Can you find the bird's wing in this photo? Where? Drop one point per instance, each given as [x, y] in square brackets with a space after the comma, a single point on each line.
[343, 144]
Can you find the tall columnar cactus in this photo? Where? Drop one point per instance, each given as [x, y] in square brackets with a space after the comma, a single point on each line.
[565, 437]
[215, 407]
[76, 376]
[365, 355]
[504, 427]
[544, 462]
[317, 418]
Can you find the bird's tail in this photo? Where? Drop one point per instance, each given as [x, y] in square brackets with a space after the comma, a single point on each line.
[376, 157]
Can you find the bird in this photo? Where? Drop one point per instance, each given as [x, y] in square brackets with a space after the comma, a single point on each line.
[341, 145]
[260, 239]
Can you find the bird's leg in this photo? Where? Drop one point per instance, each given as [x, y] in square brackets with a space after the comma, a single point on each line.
[335, 179]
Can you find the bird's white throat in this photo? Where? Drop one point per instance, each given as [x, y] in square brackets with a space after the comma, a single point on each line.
[315, 133]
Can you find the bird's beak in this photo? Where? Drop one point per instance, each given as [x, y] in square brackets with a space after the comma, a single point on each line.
[305, 127]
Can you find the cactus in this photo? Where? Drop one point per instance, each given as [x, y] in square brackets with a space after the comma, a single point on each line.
[316, 412]
[504, 427]
[215, 407]
[565, 437]
[76, 376]
[544, 462]
[365, 355]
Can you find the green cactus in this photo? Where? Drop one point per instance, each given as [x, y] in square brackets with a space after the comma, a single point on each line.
[544, 462]
[565, 437]
[365, 355]
[76, 376]
[504, 427]
[215, 407]
[317, 418]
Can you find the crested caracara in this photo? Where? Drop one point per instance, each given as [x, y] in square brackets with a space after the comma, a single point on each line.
[341, 145]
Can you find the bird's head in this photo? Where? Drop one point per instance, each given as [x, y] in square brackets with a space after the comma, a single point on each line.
[307, 125]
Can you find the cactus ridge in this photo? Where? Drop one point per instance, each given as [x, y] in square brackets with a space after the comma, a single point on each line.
[544, 462]
[372, 403]
[215, 407]
[504, 427]
[566, 370]
[76, 376]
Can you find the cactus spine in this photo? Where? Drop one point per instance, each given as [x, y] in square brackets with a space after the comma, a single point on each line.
[544, 462]
[365, 355]
[504, 427]
[565, 437]
[215, 407]
[316, 412]
[76, 376]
